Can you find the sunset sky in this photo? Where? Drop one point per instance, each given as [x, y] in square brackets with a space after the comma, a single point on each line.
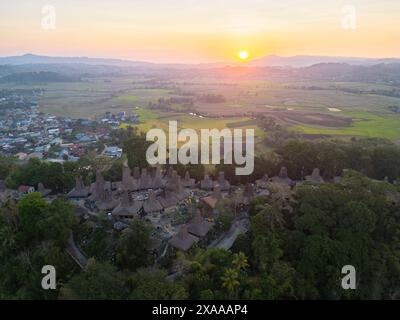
[200, 30]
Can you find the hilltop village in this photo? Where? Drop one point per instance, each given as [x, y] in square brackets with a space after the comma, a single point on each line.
[183, 212]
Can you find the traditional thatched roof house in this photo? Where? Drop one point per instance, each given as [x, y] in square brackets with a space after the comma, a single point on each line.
[157, 179]
[151, 204]
[145, 180]
[171, 183]
[198, 226]
[222, 182]
[169, 173]
[97, 187]
[127, 208]
[168, 200]
[207, 183]
[188, 182]
[106, 202]
[210, 202]
[80, 191]
[183, 240]
[181, 193]
[127, 179]
[282, 177]
[45, 192]
[136, 173]
[315, 177]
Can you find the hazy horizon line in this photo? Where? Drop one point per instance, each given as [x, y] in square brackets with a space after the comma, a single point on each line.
[198, 62]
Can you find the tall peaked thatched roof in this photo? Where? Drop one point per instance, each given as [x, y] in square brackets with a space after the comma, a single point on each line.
[127, 206]
[45, 192]
[151, 204]
[136, 173]
[172, 181]
[80, 191]
[198, 226]
[283, 173]
[157, 179]
[188, 182]
[183, 240]
[127, 180]
[222, 182]
[145, 180]
[181, 193]
[106, 201]
[207, 183]
[169, 173]
[97, 187]
[315, 176]
[282, 177]
[168, 199]
[99, 178]
[210, 201]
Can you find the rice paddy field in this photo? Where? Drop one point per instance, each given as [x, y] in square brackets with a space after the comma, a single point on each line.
[151, 119]
[364, 125]
[328, 109]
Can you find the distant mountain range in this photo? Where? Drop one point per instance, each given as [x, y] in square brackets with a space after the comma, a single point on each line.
[306, 61]
[36, 59]
[41, 69]
[268, 61]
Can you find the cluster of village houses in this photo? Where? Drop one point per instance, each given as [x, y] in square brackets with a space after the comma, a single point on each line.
[26, 133]
[156, 196]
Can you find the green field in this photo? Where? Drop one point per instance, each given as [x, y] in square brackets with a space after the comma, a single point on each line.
[151, 119]
[366, 124]
[244, 99]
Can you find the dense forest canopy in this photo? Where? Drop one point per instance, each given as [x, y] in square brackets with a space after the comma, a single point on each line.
[295, 247]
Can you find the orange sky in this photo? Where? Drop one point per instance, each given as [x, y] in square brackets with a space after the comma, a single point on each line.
[200, 31]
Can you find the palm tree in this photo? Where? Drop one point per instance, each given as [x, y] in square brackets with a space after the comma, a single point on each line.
[230, 281]
[240, 261]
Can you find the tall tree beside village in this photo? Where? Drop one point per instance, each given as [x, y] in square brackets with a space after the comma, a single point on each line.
[134, 245]
[35, 233]
[135, 147]
[98, 281]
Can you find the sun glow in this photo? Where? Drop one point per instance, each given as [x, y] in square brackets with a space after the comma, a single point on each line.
[243, 55]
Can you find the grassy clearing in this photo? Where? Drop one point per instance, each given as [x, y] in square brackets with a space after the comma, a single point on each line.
[126, 98]
[365, 124]
[151, 119]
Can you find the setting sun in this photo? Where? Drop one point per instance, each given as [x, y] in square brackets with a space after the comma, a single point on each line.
[243, 55]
